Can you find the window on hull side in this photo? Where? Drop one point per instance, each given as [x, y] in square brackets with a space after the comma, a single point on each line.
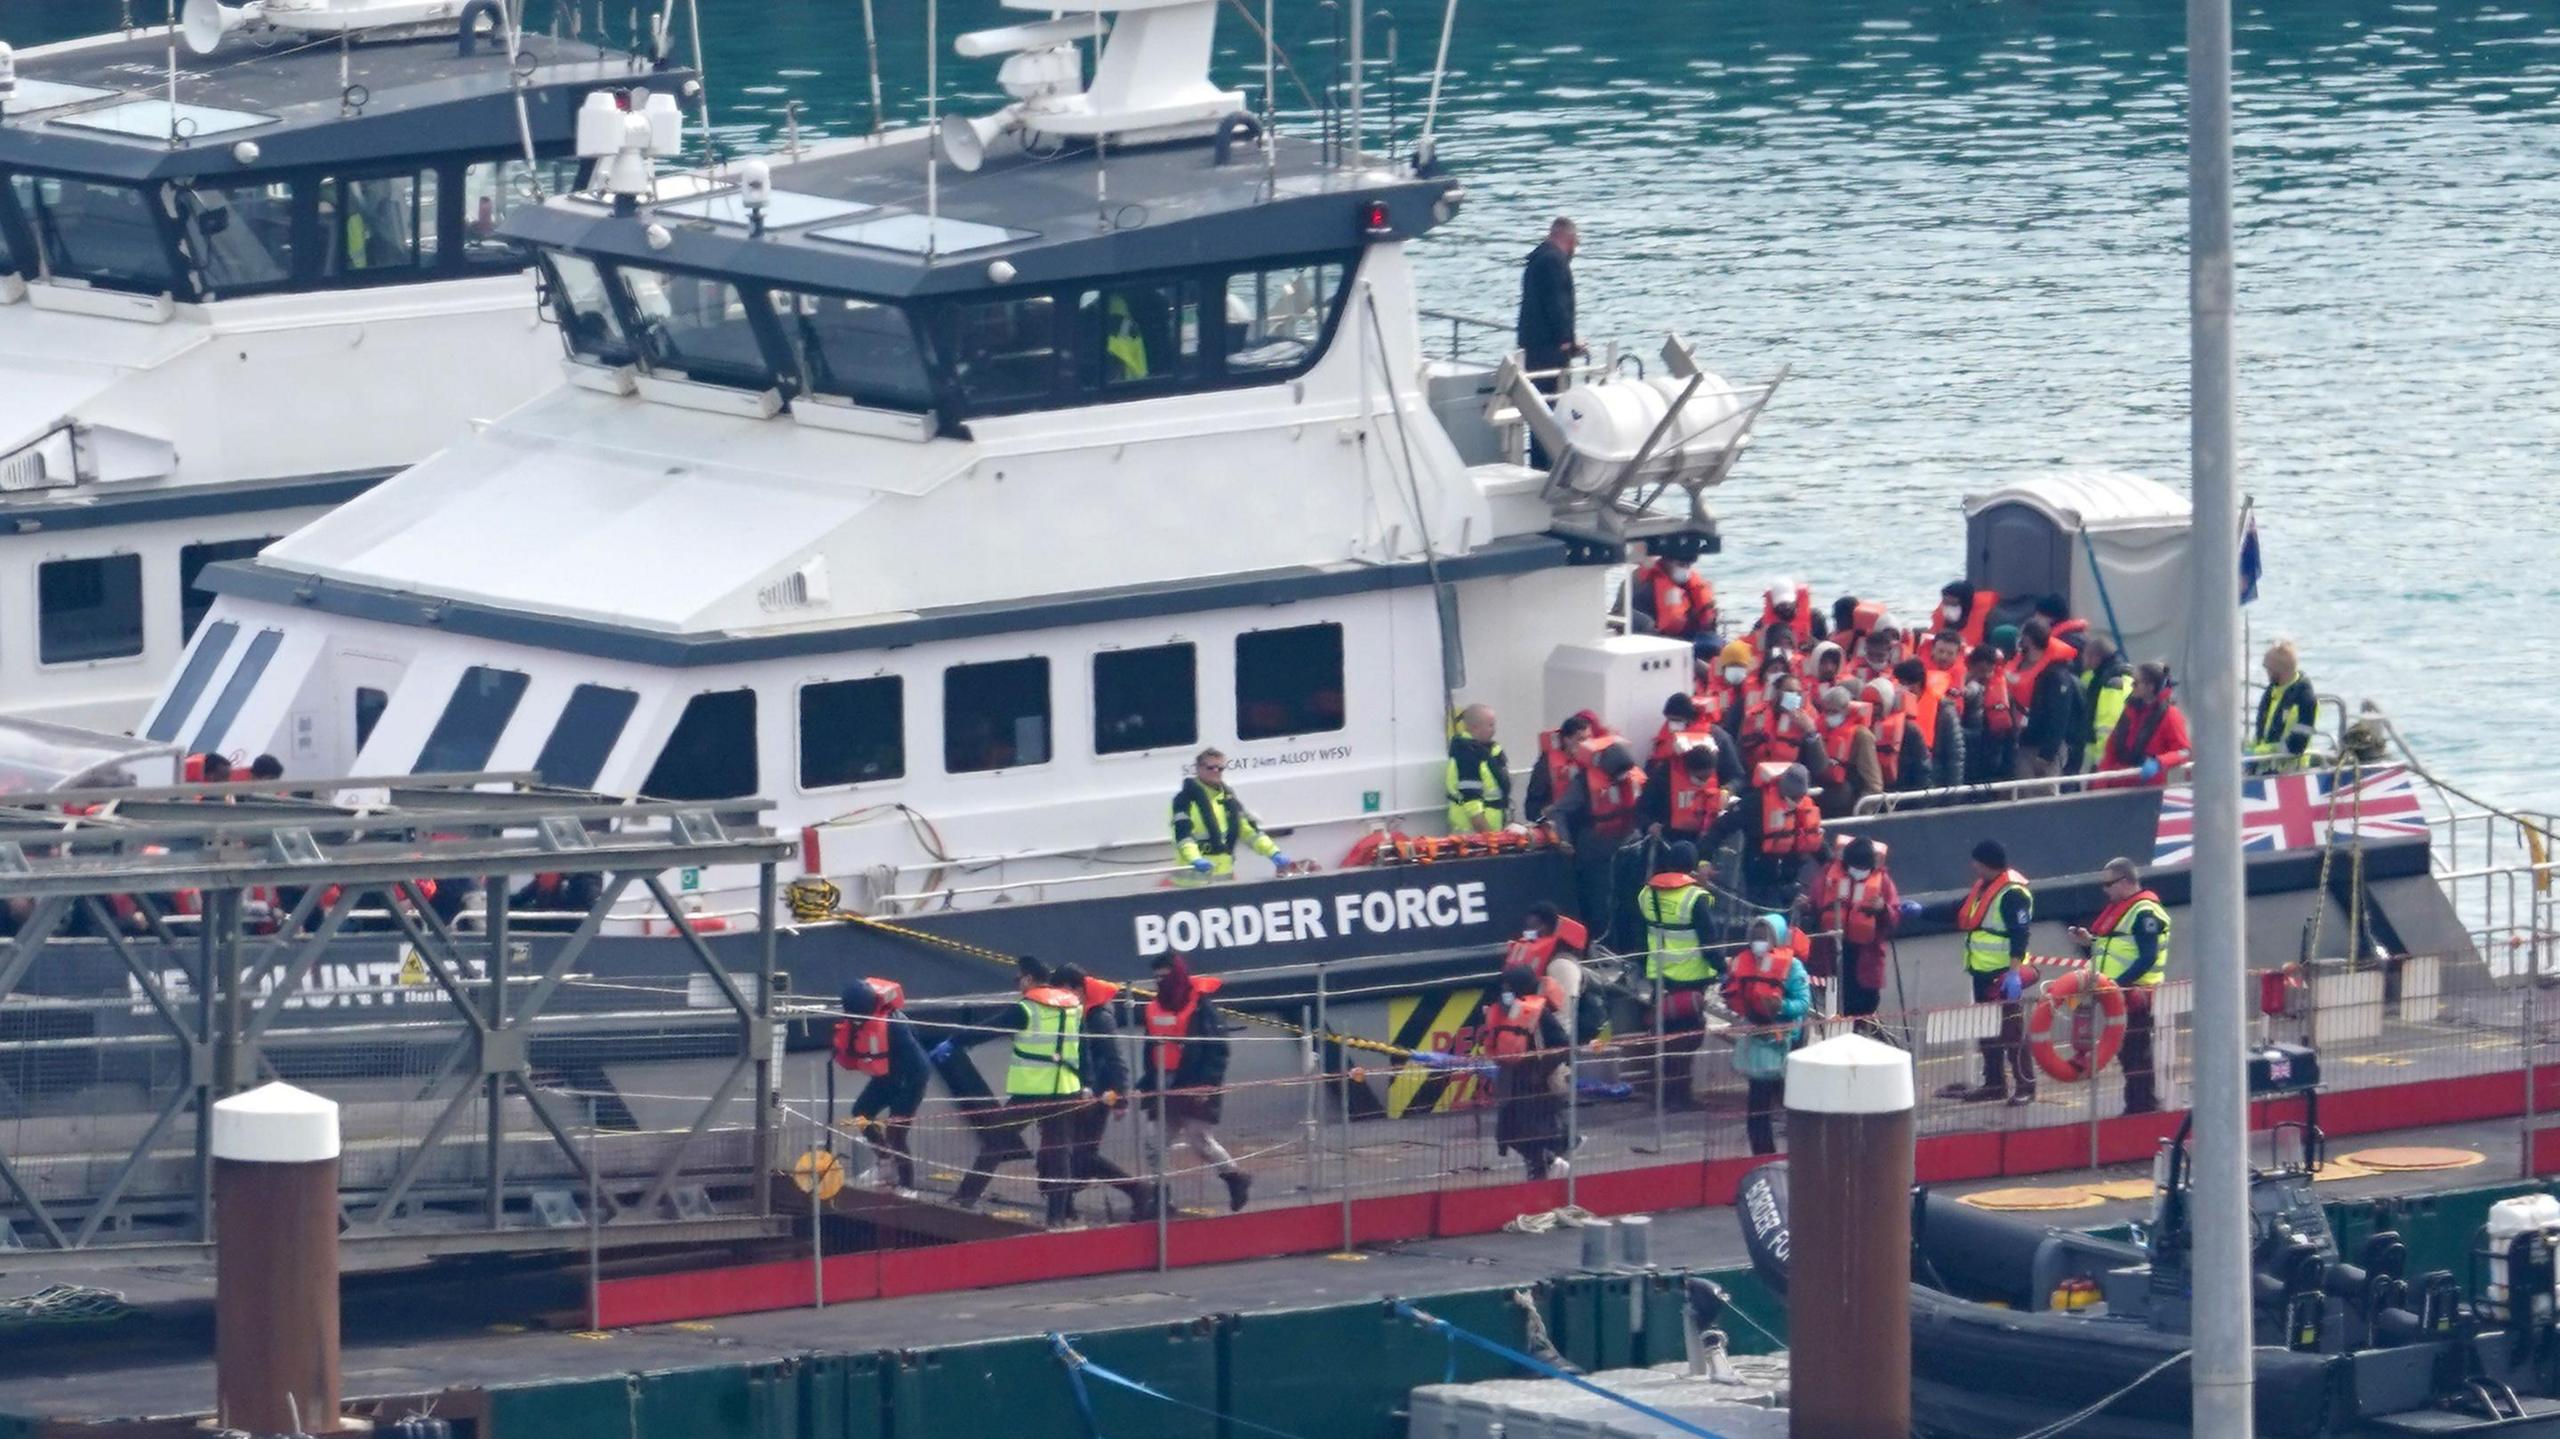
[1145, 699]
[88, 609]
[712, 754]
[1289, 682]
[995, 716]
[853, 732]
[590, 725]
[468, 730]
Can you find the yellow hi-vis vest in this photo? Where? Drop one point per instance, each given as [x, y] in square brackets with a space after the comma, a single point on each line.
[1121, 340]
[2112, 947]
[1048, 1050]
[1671, 937]
[1986, 934]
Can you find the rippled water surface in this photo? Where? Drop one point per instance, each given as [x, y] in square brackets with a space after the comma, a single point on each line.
[1962, 224]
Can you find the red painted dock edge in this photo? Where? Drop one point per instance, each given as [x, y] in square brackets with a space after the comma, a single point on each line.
[1317, 1228]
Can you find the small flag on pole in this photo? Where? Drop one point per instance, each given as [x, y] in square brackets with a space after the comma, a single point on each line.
[2252, 565]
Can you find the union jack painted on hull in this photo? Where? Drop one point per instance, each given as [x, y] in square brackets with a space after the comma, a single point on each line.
[2301, 811]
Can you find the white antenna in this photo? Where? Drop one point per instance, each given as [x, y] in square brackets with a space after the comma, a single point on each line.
[514, 20]
[173, 74]
[1359, 72]
[871, 47]
[701, 77]
[1439, 67]
[1270, 106]
[933, 124]
[1101, 143]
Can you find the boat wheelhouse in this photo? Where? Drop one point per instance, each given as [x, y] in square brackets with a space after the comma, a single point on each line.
[246, 270]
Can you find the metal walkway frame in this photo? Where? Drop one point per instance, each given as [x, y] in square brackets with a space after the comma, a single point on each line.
[97, 867]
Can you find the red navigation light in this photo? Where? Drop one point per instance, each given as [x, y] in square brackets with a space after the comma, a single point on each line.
[1375, 218]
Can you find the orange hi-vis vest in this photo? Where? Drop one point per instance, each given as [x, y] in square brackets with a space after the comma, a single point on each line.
[1854, 907]
[862, 1045]
[1512, 1032]
[1168, 1027]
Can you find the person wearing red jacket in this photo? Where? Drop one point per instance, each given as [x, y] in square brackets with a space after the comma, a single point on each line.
[2151, 736]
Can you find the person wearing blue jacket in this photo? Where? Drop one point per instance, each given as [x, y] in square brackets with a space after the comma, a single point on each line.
[1769, 990]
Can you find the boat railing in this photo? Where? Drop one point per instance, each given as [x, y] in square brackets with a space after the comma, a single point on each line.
[1461, 327]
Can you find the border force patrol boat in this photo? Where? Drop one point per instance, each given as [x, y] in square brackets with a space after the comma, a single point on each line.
[249, 265]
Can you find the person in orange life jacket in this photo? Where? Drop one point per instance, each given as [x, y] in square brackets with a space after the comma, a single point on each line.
[1105, 1067]
[1723, 686]
[1994, 917]
[1522, 1033]
[2129, 943]
[1875, 654]
[1553, 947]
[1789, 606]
[1679, 720]
[1784, 730]
[1022, 1025]
[1933, 733]
[2150, 738]
[1889, 713]
[1781, 832]
[1966, 611]
[1681, 963]
[1852, 911]
[553, 901]
[1850, 770]
[1668, 598]
[1599, 807]
[1559, 757]
[1185, 1068]
[2047, 696]
[1990, 722]
[875, 1038]
[1683, 794]
[1828, 663]
[1769, 991]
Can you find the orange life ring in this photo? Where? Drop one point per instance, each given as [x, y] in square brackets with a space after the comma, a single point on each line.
[2060, 996]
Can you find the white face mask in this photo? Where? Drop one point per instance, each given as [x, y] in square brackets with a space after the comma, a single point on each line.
[1856, 873]
[1759, 946]
[1954, 614]
[1734, 674]
[1531, 935]
[1791, 703]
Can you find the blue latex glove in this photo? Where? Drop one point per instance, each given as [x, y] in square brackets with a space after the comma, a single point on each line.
[1279, 861]
[1204, 864]
[1909, 909]
[941, 1053]
[2151, 769]
[2011, 987]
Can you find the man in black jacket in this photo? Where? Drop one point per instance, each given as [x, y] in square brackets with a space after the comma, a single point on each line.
[1546, 330]
[1105, 1068]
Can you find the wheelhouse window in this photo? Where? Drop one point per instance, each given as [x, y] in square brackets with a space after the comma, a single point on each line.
[1145, 699]
[1004, 353]
[198, 673]
[1277, 318]
[89, 609]
[494, 189]
[590, 726]
[1289, 682]
[712, 754]
[1143, 334]
[697, 327]
[854, 349]
[369, 705]
[852, 732]
[240, 236]
[378, 227]
[589, 326]
[472, 721]
[194, 599]
[235, 691]
[105, 235]
[995, 716]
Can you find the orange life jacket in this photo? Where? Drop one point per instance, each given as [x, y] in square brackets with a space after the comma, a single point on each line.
[1695, 800]
[1840, 740]
[1801, 625]
[1890, 727]
[1539, 953]
[1167, 1027]
[862, 1044]
[1787, 828]
[1772, 736]
[1669, 742]
[1923, 704]
[1755, 985]
[2023, 674]
[1977, 620]
[1509, 1032]
[1097, 993]
[1977, 900]
[1999, 717]
[1679, 609]
[1613, 803]
[1855, 907]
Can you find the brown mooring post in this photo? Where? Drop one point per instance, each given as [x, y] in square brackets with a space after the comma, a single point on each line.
[1849, 1138]
[275, 1306]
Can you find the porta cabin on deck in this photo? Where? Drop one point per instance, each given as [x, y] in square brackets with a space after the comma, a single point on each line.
[221, 316]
